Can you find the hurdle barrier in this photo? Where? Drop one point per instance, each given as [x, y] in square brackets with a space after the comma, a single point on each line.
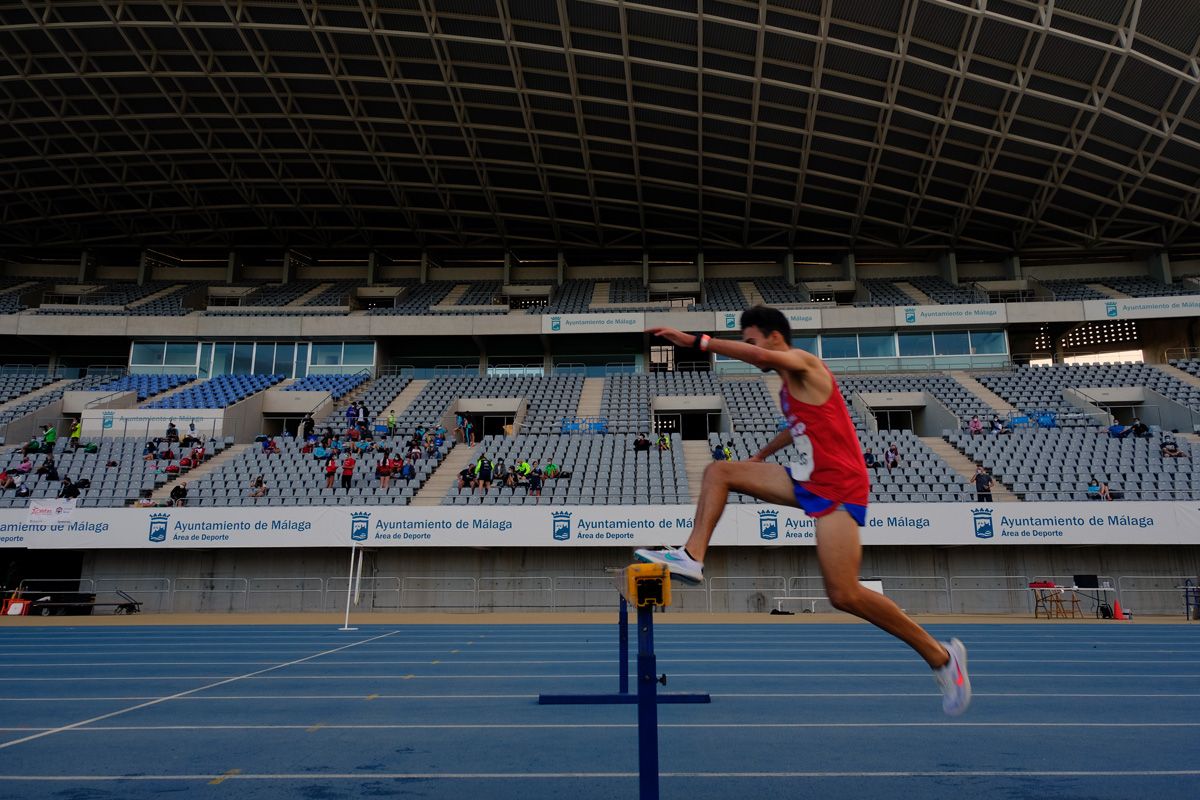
[646, 587]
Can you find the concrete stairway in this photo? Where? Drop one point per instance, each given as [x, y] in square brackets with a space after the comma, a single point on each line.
[401, 401]
[993, 400]
[965, 467]
[751, 292]
[915, 293]
[157, 295]
[1178, 374]
[445, 476]
[454, 295]
[50, 387]
[696, 456]
[309, 295]
[589, 398]
[211, 465]
[601, 293]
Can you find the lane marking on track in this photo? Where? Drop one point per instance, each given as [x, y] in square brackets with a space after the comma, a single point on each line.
[526, 695]
[222, 682]
[309, 729]
[537, 776]
[225, 776]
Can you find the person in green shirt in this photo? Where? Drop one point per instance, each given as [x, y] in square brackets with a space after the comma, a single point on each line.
[49, 437]
[551, 469]
[76, 432]
[391, 423]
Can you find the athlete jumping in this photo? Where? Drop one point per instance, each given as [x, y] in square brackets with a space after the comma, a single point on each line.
[827, 479]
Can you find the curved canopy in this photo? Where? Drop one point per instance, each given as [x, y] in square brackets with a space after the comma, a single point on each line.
[878, 126]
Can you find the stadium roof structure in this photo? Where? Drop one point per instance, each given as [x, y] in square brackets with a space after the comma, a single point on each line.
[875, 126]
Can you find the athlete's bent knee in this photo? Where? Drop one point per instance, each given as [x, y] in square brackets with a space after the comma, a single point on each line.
[846, 598]
[717, 472]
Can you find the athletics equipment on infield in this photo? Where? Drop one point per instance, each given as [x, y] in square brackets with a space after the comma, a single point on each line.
[646, 587]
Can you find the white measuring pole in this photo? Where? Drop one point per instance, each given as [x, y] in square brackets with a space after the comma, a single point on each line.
[349, 590]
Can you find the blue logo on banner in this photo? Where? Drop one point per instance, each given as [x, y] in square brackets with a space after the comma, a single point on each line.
[158, 527]
[910, 316]
[360, 526]
[983, 523]
[768, 525]
[107, 419]
[730, 320]
[561, 525]
[556, 323]
[1110, 308]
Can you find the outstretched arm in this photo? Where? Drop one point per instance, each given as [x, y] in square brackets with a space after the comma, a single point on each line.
[781, 440]
[796, 361]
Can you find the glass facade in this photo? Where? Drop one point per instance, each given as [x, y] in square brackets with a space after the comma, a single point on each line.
[290, 359]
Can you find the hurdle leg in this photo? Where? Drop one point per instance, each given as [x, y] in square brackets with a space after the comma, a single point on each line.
[623, 648]
[647, 703]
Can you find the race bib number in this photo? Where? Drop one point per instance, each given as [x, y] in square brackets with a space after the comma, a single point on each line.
[802, 466]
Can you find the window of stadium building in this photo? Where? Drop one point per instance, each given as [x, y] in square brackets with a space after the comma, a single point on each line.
[290, 359]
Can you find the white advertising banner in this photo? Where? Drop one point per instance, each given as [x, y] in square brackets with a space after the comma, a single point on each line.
[981, 313]
[50, 510]
[594, 323]
[798, 318]
[634, 526]
[1142, 307]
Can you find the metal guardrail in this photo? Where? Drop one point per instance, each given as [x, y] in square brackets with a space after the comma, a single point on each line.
[1138, 591]
[766, 586]
[535, 585]
[1021, 587]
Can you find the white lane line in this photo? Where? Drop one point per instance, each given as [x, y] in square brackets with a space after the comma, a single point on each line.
[422, 726]
[537, 776]
[527, 695]
[581, 676]
[465, 659]
[222, 682]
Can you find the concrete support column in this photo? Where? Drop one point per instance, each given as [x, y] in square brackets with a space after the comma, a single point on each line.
[507, 268]
[850, 268]
[233, 268]
[560, 274]
[372, 267]
[1159, 266]
[948, 267]
[645, 269]
[1012, 268]
[86, 267]
[143, 268]
[424, 270]
[700, 266]
[288, 268]
[789, 268]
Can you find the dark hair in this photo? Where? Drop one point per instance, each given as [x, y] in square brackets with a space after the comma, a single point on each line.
[767, 320]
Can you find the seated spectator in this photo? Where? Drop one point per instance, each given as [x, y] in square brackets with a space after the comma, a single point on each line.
[551, 471]
[353, 433]
[258, 487]
[1139, 429]
[975, 426]
[1169, 448]
[535, 480]
[1104, 493]
[26, 466]
[415, 453]
[1118, 431]
[891, 457]
[998, 427]
[32, 446]
[641, 444]
[7, 481]
[1093, 489]
[870, 459]
[664, 442]
[172, 432]
[408, 472]
[501, 474]
[68, 490]
[49, 469]
[179, 494]
[150, 452]
[270, 447]
[198, 454]
[466, 477]
[320, 453]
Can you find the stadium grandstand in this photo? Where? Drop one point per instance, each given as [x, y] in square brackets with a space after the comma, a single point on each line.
[237, 239]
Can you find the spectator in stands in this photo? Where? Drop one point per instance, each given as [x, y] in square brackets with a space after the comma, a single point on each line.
[307, 425]
[49, 469]
[179, 494]
[523, 469]
[440, 431]
[68, 490]
[460, 433]
[270, 447]
[49, 437]
[198, 453]
[466, 477]
[1093, 489]
[535, 480]
[1168, 447]
[1118, 431]
[415, 453]
[26, 466]
[983, 485]
[383, 471]
[172, 431]
[391, 422]
[361, 414]
[469, 430]
[76, 432]
[664, 442]
[150, 451]
[32, 446]
[552, 470]
[641, 444]
[975, 426]
[408, 472]
[718, 452]
[998, 427]
[7, 481]
[483, 473]
[501, 475]
[1104, 493]
[870, 459]
[1139, 429]
[258, 487]
[331, 465]
[891, 457]
[348, 470]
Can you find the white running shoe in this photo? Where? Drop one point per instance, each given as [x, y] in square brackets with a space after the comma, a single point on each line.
[953, 680]
[677, 560]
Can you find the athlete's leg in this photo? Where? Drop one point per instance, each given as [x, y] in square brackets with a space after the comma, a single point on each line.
[839, 552]
[768, 482]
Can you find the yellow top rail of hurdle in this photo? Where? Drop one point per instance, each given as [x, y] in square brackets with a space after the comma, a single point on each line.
[645, 584]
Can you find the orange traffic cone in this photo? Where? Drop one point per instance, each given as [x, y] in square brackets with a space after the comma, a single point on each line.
[1117, 612]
